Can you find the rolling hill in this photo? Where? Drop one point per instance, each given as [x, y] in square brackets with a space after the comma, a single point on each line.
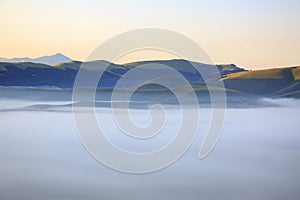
[277, 82]
[270, 82]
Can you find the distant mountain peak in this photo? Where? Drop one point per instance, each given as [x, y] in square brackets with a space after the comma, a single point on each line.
[58, 55]
[53, 60]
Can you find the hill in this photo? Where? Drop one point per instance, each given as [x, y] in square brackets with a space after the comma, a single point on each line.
[277, 82]
[270, 82]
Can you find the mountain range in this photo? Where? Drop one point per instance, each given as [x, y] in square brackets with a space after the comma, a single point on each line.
[47, 60]
[276, 82]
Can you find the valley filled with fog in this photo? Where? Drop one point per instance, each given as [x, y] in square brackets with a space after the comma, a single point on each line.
[257, 155]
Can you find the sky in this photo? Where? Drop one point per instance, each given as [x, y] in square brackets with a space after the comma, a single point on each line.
[253, 34]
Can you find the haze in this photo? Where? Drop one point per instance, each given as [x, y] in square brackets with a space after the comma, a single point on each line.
[252, 34]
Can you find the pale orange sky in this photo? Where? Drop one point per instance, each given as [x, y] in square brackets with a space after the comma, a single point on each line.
[252, 34]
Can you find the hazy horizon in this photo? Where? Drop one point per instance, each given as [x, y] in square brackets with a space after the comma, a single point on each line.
[152, 59]
[252, 34]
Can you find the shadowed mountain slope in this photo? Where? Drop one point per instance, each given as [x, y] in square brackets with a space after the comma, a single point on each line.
[277, 82]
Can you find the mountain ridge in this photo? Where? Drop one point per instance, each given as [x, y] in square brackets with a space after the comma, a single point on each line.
[48, 60]
[277, 82]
